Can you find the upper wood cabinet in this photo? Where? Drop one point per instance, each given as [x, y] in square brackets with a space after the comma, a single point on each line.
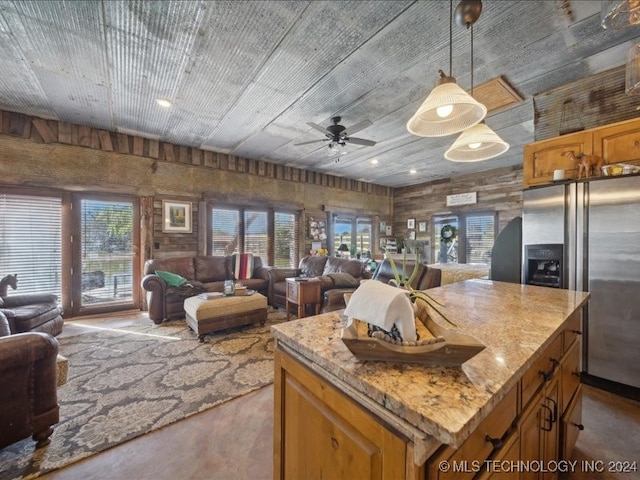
[615, 143]
[542, 158]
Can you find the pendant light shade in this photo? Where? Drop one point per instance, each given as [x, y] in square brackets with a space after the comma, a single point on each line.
[448, 109]
[476, 144]
[619, 14]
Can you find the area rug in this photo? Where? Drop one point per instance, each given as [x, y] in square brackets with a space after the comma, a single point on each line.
[129, 381]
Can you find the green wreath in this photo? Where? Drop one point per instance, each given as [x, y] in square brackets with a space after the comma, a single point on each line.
[448, 233]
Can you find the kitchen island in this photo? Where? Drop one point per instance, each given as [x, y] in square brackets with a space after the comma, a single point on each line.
[519, 398]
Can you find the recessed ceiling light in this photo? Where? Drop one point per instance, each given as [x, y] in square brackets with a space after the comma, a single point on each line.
[412, 171]
[374, 161]
[163, 102]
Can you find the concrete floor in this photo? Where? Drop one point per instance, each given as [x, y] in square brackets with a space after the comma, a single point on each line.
[235, 441]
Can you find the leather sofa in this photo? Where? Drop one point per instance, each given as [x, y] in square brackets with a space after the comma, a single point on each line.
[28, 398]
[204, 273]
[427, 277]
[32, 312]
[333, 287]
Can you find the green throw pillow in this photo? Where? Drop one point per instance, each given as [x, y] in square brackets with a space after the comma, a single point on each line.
[172, 279]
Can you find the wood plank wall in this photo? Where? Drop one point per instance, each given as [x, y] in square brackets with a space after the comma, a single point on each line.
[52, 131]
[498, 190]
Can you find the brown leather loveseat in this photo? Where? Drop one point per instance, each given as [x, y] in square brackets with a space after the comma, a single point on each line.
[338, 276]
[28, 397]
[204, 273]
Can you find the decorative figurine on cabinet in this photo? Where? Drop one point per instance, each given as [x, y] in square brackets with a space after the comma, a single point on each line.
[585, 163]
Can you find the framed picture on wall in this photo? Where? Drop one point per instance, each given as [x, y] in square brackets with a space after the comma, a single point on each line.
[422, 227]
[412, 235]
[411, 223]
[389, 230]
[176, 217]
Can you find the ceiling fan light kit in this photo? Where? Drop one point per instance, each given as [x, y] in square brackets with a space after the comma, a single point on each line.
[476, 144]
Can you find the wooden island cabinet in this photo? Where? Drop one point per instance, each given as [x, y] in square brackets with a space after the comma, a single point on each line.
[516, 404]
[615, 143]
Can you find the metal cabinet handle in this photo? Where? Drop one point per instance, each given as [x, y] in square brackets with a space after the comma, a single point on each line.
[578, 425]
[577, 332]
[549, 375]
[550, 419]
[496, 442]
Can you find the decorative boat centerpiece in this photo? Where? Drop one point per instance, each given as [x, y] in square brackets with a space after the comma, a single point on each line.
[388, 323]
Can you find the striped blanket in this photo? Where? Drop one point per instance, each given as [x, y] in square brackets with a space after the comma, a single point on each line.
[242, 265]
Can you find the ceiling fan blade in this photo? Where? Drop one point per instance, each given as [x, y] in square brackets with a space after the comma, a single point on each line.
[318, 127]
[358, 126]
[360, 141]
[310, 142]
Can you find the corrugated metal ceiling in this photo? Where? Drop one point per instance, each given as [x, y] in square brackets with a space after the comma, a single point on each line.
[245, 76]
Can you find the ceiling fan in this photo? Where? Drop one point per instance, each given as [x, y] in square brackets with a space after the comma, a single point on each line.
[338, 136]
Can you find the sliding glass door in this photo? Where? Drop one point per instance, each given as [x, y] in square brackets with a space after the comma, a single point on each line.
[105, 274]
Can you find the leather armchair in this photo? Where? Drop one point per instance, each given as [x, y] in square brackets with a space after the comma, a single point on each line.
[28, 398]
[33, 312]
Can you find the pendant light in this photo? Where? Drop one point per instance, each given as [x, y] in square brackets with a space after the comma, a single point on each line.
[619, 14]
[448, 109]
[478, 142]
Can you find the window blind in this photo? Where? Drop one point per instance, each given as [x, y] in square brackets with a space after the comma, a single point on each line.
[479, 235]
[255, 233]
[225, 226]
[285, 235]
[30, 242]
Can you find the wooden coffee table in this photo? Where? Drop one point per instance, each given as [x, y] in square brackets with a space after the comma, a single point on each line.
[303, 292]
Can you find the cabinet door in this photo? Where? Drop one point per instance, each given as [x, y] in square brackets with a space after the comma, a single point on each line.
[570, 375]
[321, 433]
[542, 158]
[618, 143]
[530, 436]
[549, 425]
[571, 425]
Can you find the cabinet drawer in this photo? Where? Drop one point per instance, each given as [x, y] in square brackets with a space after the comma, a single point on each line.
[548, 362]
[478, 447]
[571, 426]
[509, 454]
[572, 330]
[570, 374]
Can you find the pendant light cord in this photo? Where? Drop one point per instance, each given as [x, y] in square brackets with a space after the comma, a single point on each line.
[451, 38]
[472, 59]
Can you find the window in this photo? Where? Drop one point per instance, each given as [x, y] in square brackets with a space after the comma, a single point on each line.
[30, 242]
[446, 237]
[271, 235]
[479, 235]
[363, 235]
[285, 245]
[225, 225]
[255, 233]
[356, 234]
[106, 251]
[475, 231]
[342, 234]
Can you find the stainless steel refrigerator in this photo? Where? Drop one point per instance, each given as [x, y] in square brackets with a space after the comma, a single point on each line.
[596, 224]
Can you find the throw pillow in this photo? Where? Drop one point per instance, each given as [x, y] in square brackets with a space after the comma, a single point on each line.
[242, 265]
[172, 279]
[344, 280]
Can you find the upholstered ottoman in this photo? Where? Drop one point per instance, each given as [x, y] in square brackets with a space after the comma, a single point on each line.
[205, 316]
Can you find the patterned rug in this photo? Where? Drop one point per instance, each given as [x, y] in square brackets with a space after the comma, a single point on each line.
[129, 381]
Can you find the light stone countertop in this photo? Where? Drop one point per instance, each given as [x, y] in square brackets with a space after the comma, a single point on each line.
[515, 323]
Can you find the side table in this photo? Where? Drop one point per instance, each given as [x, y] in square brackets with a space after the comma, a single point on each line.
[302, 292]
